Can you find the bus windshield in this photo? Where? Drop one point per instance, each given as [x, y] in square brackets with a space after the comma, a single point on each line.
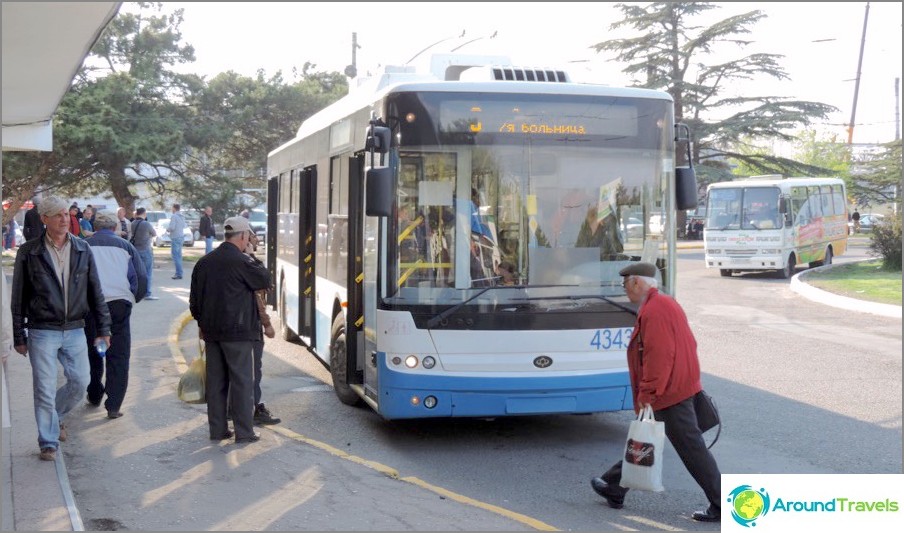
[518, 191]
[750, 208]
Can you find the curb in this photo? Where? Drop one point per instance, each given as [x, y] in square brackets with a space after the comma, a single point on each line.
[810, 292]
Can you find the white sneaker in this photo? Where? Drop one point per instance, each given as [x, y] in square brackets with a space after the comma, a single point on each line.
[151, 298]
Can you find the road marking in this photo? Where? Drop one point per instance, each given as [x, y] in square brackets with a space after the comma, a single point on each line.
[388, 471]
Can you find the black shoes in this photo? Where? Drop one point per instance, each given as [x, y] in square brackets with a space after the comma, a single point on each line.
[263, 416]
[707, 516]
[614, 494]
[254, 437]
[224, 436]
[114, 414]
[177, 277]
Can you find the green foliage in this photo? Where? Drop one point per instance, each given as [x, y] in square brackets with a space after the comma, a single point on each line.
[878, 177]
[668, 53]
[885, 242]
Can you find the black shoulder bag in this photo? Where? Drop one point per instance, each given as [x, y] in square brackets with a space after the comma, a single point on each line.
[707, 414]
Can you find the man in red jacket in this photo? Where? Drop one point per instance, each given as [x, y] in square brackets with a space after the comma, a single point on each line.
[665, 374]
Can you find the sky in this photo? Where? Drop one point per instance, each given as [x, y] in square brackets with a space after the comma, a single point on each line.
[820, 42]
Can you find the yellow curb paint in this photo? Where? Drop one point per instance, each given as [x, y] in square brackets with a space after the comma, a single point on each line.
[179, 358]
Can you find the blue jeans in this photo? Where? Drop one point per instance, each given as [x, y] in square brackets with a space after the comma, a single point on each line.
[45, 348]
[147, 257]
[177, 255]
[208, 245]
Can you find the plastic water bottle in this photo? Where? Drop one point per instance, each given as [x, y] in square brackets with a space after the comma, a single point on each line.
[101, 347]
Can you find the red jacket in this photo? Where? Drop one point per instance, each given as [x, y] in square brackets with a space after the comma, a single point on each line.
[662, 354]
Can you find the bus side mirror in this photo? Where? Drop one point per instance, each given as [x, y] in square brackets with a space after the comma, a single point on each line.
[685, 188]
[378, 194]
[378, 139]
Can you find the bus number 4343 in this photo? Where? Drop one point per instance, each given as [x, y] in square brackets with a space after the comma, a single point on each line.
[611, 338]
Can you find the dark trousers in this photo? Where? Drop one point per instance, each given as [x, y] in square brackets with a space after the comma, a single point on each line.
[258, 368]
[682, 431]
[116, 363]
[230, 372]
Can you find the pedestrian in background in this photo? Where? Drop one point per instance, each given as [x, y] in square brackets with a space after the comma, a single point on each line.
[75, 227]
[87, 222]
[856, 218]
[222, 300]
[124, 282]
[55, 284]
[143, 234]
[176, 232]
[206, 229]
[665, 374]
[125, 225]
[33, 227]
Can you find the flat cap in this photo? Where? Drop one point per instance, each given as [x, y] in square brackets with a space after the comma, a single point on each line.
[647, 270]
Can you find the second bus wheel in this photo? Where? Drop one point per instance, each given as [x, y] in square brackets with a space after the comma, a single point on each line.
[339, 363]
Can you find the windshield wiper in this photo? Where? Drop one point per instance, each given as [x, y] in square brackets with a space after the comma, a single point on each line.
[440, 317]
[606, 299]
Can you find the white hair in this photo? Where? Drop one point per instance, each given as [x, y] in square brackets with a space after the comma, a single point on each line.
[651, 282]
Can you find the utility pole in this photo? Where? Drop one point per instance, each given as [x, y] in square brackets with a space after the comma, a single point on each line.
[897, 109]
[857, 83]
[352, 70]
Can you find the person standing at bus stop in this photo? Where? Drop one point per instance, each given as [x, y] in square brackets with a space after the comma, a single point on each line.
[206, 229]
[176, 232]
[222, 300]
[856, 218]
[665, 374]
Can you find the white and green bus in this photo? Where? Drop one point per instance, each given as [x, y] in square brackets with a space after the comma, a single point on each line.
[774, 223]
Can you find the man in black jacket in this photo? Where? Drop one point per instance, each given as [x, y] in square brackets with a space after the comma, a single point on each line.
[206, 229]
[222, 301]
[33, 227]
[55, 284]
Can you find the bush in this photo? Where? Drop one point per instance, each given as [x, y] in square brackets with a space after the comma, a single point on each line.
[886, 242]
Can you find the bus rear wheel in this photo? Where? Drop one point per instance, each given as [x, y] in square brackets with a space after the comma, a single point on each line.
[828, 259]
[726, 272]
[339, 363]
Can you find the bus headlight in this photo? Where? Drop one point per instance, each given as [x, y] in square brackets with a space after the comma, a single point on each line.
[714, 251]
[430, 402]
[428, 362]
[411, 361]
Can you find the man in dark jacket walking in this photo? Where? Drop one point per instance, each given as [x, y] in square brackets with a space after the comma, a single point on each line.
[222, 301]
[55, 284]
[665, 374]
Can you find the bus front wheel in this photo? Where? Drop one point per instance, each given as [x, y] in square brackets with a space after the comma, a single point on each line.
[726, 272]
[339, 364]
[788, 271]
[284, 330]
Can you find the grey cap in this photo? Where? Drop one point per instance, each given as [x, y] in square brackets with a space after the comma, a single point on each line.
[236, 224]
[647, 270]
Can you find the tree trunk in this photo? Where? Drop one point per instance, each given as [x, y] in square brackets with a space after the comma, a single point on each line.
[119, 186]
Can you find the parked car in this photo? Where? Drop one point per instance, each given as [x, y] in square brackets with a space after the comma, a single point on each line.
[163, 238]
[258, 220]
[867, 222]
[193, 219]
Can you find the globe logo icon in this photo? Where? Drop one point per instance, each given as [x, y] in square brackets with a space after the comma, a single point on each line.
[748, 504]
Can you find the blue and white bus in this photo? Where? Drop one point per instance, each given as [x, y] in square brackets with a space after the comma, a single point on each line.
[448, 242]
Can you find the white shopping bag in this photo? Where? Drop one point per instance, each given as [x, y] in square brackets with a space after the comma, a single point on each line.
[642, 466]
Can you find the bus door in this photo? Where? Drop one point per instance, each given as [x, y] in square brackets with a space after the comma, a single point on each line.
[307, 227]
[272, 224]
[356, 347]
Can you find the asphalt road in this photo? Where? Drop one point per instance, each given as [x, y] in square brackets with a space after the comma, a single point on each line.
[801, 387]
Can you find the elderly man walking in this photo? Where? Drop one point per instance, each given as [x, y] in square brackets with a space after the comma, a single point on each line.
[124, 281]
[176, 231]
[665, 374]
[55, 284]
[222, 300]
